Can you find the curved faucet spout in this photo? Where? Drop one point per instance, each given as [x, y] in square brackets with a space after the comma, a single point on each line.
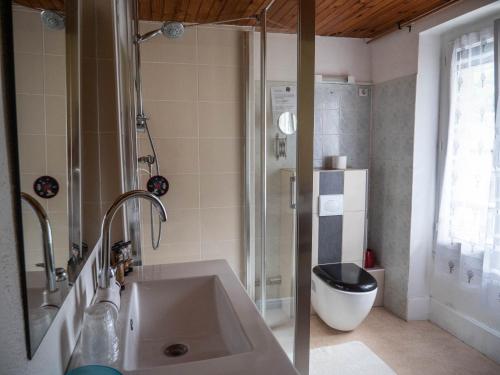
[106, 272]
[48, 245]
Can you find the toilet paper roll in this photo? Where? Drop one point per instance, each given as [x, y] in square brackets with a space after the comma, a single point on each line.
[338, 162]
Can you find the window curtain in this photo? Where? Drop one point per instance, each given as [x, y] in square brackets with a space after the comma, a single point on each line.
[468, 226]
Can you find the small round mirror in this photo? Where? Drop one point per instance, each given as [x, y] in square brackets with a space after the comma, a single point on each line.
[287, 123]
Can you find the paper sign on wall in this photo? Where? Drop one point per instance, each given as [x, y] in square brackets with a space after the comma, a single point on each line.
[283, 99]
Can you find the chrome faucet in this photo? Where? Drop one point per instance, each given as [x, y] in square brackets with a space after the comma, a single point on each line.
[106, 271]
[48, 246]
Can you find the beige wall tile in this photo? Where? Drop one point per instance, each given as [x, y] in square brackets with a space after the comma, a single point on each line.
[172, 253]
[29, 73]
[355, 190]
[232, 251]
[54, 41]
[55, 75]
[27, 27]
[219, 224]
[32, 154]
[163, 81]
[61, 256]
[182, 225]
[220, 83]
[223, 120]
[60, 229]
[353, 232]
[217, 46]
[30, 114]
[221, 190]
[175, 155]
[32, 234]
[171, 119]
[221, 156]
[56, 154]
[55, 114]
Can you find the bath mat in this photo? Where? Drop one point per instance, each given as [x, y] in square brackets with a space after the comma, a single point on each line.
[351, 358]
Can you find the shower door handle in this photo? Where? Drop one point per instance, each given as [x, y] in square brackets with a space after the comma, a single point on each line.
[293, 202]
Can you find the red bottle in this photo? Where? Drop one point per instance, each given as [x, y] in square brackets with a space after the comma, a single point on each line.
[369, 258]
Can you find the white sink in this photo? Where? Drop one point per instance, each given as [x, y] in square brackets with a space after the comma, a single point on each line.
[194, 312]
[203, 306]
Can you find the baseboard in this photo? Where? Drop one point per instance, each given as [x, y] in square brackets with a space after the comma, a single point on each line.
[417, 308]
[472, 332]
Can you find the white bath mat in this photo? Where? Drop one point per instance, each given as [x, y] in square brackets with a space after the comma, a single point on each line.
[351, 358]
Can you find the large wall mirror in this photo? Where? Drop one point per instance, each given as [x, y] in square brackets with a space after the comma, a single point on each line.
[58, 145]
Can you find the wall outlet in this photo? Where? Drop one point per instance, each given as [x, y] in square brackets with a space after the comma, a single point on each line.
[363, 91]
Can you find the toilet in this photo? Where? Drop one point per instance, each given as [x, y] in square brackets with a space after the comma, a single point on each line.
[342, 294]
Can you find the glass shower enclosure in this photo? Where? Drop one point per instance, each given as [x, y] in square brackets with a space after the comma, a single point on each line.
[278, 163]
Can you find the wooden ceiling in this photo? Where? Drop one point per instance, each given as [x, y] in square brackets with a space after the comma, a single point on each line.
[347, 18]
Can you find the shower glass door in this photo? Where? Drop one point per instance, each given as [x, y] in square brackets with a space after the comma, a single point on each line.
[274, 47]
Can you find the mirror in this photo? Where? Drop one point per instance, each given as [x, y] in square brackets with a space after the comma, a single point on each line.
[287, 123]
[51, 241]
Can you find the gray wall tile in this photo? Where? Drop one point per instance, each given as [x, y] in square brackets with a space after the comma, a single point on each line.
[391, 176]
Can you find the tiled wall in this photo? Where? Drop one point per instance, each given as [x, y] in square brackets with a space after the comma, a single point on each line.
[193, 94]
[41, 114]
[391, 185]
[342, 124]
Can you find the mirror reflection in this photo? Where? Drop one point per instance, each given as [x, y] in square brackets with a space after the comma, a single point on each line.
[40, 80]
[287, 123]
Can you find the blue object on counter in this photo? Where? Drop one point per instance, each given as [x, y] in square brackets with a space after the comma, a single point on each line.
[94, 370]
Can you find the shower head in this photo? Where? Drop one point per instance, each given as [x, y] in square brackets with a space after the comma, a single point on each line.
[52, 20]
[172, 29]
[169, 29]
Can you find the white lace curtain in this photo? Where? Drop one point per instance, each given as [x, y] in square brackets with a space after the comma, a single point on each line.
[468, 231]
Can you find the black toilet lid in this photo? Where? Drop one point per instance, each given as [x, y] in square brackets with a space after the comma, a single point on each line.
[347, 277]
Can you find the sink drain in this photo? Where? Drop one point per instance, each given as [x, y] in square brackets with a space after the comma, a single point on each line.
[176, 350]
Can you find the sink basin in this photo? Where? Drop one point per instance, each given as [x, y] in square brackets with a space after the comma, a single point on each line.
[193, 312]
[192, 318]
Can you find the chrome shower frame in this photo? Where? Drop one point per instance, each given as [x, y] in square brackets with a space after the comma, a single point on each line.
[125, 30]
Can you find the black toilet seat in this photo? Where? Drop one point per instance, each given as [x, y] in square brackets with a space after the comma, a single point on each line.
[347, 277]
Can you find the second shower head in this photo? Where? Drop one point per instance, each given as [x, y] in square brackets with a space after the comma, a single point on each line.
[169, 29]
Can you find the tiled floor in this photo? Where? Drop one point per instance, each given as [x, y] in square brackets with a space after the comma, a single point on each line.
[417, 347]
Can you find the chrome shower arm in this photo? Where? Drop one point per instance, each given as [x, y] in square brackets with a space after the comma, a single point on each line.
[150, 34]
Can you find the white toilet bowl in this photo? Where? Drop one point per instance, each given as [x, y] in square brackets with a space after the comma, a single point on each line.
[342, 294]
